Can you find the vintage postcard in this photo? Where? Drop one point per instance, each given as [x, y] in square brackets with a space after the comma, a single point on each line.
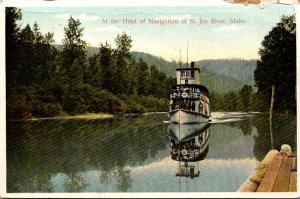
[170, 99]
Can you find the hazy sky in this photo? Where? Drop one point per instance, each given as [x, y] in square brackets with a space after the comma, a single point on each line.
[206, 41]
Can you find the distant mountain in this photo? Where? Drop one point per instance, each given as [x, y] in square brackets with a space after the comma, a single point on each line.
[239, 69]
[219, 76]
[162, 64]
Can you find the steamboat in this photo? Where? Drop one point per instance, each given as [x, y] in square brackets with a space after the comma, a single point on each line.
[189, 101]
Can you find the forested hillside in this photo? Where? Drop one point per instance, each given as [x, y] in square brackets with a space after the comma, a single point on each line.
[215, 81]
[219, 76]
[240, 69]
[211, 74]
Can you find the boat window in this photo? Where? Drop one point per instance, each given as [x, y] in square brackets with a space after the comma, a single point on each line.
[188, 73]
[182, 73]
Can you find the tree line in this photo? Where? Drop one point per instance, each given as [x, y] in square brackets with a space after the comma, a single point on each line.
[244, 100]
[44, 81]
[219, 76]
[277, 66]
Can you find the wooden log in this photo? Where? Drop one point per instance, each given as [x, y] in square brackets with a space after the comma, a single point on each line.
[260, 170]
[248, 186]
[252, 183]
[270, 176]
[283, 179]
[293, 182]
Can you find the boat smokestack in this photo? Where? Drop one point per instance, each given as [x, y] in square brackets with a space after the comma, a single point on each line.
[192, 64]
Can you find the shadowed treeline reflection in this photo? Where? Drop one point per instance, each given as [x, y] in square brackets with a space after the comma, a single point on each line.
[284, 132]
[38, 150]
[117, 154]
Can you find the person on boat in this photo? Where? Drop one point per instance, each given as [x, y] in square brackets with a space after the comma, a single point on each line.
[200, 108]
[177, 105]
[188, 105]
[193, 106]
[184, 104]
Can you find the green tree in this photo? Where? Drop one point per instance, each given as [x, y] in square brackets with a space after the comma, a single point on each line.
[170, 82]
[44, 56]
[154, 81]
[159, 84]
[277, 65]
[93, 73]
[74, 65]
[108, 67]
[35, 56]
[74, 51]
[131, 75]
[12, 30]
[216, 102]
[122, 59]
[230, 102]
[143, 77]
[30, 57]
[245, 96]
[25, 60]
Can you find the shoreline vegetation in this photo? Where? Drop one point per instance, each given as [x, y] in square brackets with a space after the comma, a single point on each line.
[44, 81]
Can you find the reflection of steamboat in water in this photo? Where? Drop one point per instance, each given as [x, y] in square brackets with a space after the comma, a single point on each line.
[189, 101]
[189, 145]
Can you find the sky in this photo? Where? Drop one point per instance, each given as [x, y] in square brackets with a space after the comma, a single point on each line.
[195, 41]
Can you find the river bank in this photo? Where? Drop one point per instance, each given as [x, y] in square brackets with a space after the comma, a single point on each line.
[66, 116]
[85, 116]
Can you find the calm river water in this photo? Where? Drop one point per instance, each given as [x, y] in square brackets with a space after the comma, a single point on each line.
[132, 154]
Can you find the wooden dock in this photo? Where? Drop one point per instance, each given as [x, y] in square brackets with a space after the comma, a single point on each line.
[276, 173]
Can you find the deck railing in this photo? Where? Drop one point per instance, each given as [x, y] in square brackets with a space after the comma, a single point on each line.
[185, 95]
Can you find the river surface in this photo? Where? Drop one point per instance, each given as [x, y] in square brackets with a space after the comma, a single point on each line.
[131, 153]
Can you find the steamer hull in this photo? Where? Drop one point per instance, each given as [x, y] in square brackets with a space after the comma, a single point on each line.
[181, 116]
